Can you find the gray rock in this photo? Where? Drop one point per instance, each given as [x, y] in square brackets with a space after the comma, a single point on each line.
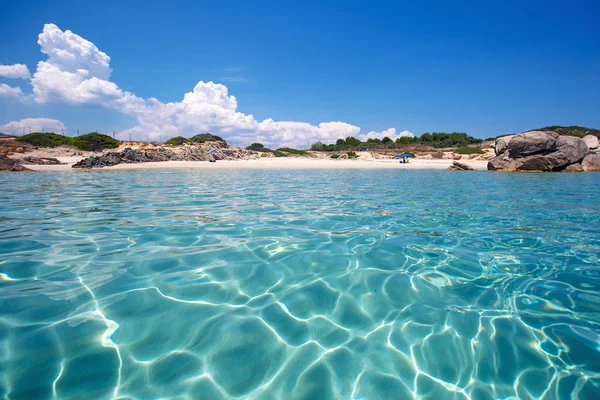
[39, 161]
[591, 163]
[456, 166]
[529, 143]
[8, 164]
[591, 141]
[501, 144]
[539, 151]
[570, 150]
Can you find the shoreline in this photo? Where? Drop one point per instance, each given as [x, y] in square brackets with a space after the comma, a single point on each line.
[271, 163]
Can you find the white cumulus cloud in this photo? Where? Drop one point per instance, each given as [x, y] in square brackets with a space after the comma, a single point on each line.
[14, 71]
[32, 124]
[77, 72]
[10, 91]
[391, 133]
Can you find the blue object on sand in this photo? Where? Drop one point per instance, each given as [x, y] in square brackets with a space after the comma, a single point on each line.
[404, 155]
[212, 151]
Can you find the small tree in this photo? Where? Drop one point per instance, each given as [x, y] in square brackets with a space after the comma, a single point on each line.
[317, 146]
[352, 141]
[340, 142]
[386, 140]
[256, 147]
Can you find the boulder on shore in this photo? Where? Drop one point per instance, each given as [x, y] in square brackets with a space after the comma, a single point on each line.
[591, 141]
[456, 166]
[502, 144]
[539, 151]
[8, 164]
[574, 168]
[591, 163]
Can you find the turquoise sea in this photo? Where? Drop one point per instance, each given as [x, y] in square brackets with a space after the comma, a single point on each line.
[299, 284]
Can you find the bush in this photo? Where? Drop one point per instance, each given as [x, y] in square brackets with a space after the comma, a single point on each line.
[94, 142]
[89, 142]
[207, 137]
[335, 156]
[351, 154]
[278, 153]
[177, 141]
[352, 141]
[44, 139]
[469, 150]
[319, 146]
[257, 147]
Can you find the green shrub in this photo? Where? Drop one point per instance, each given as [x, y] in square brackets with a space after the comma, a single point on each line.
[207, 137]
[177, 141]
[89, 142]
[278, 153]
[352, 141]
[48, 139]
[293, 151]
[94, 142]
[258, 147]
[469, 150]
[335, 156]
[351, 154]
[319, 146]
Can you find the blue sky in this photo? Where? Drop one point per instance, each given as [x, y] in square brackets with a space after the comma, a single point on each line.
[484, 68]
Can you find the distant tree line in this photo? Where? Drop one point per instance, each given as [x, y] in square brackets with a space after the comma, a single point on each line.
[439, 140]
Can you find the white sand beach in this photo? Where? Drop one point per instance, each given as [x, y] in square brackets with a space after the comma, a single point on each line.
[268, 163]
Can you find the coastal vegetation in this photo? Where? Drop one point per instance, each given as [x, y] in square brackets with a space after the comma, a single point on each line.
[437, 140]
[207, 137]
[89, 142]
[573, 130]
[177, 141]
[281, 152]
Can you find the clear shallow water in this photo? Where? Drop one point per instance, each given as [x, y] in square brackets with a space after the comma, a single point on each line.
[299, 284]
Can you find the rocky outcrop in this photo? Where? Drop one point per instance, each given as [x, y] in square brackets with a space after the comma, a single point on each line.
[456, 166]
[191, 152]
[591, 163]
[591, 141]
[538, 151]
[39, 161]
[8, 164]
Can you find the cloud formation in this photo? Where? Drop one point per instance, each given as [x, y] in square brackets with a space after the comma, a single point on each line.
[9, 91]
[15, 71]
[77, 72]
[32, 125]
[391, 133]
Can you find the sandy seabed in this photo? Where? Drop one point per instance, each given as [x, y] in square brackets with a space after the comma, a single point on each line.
[271, 163]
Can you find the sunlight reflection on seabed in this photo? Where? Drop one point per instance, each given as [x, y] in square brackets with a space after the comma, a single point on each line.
[299, 284]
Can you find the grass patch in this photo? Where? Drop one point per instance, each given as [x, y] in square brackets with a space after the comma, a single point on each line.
[351, 154]
[335, 156]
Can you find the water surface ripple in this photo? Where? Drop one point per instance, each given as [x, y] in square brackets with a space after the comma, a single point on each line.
[299, 284]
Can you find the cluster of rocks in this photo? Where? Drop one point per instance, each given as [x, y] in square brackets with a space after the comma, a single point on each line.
[17, 164]
[545, 151]
[30, 160]
[185, 152]
[8, 164]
